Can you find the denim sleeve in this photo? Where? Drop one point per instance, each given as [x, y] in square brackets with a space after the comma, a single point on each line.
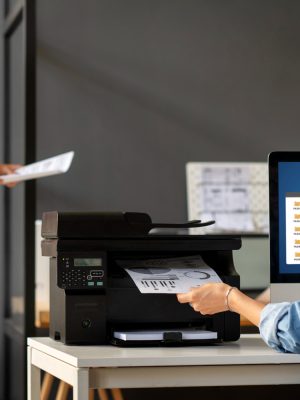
[280, 326]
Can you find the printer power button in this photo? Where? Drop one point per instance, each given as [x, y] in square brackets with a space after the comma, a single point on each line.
[86, 323]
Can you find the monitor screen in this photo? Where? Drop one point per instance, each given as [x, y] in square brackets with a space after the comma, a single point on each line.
[284, 175]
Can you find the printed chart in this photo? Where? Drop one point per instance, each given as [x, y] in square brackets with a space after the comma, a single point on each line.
[172, 275]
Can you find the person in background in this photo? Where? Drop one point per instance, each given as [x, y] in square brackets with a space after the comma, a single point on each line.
[6, 169]
[279, 323]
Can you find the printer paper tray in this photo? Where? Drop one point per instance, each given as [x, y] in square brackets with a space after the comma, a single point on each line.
[170, 337]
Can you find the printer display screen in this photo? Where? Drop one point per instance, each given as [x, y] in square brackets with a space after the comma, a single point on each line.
[87, 262]
[289, 217]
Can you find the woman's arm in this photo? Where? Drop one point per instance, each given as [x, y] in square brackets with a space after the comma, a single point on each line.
[279, 324]
[213, 298]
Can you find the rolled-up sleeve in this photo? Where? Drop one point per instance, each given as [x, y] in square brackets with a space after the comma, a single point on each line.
[280, 326]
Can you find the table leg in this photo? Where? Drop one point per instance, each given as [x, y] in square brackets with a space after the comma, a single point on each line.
[103, 395]
[81, 384]
[117, 394]
[62, 391]
[91, 394]
[46, 386]
[33, 379]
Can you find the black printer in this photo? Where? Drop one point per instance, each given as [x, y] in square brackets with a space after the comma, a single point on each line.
[92, 297]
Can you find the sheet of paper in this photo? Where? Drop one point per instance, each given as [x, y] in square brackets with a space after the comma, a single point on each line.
[229, 222]
[50, 166]
[235, 195]
[169, 275]
[226, 192]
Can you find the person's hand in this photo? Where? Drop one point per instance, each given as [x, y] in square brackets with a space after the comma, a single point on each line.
[206, 299]
[6, 169]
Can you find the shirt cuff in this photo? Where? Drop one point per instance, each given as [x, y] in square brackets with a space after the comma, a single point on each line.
[270, 316]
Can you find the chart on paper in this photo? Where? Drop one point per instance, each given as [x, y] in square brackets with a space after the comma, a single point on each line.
[51, 166]
[171, 275]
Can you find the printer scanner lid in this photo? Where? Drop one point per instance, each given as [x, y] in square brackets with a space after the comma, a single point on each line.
[96, 225]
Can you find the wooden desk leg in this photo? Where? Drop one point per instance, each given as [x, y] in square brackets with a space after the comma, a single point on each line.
[33, 379]
[102, 393]
[117, 394]
[46, 386]
[62, 391]
[91, 394]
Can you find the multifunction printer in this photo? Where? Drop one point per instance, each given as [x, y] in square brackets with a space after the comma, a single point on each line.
[93, 300]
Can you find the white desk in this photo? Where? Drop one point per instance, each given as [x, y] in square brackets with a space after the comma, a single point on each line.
[246, 362]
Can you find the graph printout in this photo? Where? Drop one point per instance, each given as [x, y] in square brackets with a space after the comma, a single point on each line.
[51, 166]
[172, 275]
[292, 206]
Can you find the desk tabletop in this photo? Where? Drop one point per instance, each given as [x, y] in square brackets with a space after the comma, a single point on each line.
[250, 349]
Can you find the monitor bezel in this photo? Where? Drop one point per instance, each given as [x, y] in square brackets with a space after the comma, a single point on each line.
[273, 160]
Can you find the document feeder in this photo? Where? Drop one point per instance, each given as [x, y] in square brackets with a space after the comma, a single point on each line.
[92, 297]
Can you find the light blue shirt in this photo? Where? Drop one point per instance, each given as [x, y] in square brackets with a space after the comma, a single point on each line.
[280, 326]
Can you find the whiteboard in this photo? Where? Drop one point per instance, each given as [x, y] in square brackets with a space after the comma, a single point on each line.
[234, 194]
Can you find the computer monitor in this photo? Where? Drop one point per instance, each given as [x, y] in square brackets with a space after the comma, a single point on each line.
[284, 199]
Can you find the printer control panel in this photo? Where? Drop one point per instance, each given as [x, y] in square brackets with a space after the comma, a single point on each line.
[76, 272]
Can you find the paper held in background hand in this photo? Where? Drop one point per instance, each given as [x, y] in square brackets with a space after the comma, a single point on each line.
[51, 166]
[169, 275]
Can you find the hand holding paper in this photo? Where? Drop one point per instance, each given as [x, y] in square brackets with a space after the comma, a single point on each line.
[8, 169]
[51, 166]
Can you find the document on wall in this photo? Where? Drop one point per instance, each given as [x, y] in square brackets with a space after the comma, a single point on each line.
[234, 195]
[169, 275]
[50, 166]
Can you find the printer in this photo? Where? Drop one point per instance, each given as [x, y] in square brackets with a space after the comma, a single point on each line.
[92, 297]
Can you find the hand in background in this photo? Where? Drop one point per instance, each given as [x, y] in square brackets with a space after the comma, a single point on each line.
[6, 169]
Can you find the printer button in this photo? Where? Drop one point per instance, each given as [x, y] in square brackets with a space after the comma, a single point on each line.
[90, 283]
[86, 323]
[89, 277]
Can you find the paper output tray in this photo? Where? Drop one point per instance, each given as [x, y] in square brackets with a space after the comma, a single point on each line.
[171, 337]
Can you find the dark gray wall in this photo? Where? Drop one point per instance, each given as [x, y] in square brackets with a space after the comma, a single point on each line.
[138, 88]
[2, 269]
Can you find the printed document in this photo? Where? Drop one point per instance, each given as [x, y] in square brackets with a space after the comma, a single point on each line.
[233, 194]
[169, 275]
[51, 166]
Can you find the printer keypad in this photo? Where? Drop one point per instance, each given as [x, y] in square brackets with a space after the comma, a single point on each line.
[75, 278]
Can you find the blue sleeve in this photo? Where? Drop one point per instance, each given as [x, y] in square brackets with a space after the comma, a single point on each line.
[280, 326]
